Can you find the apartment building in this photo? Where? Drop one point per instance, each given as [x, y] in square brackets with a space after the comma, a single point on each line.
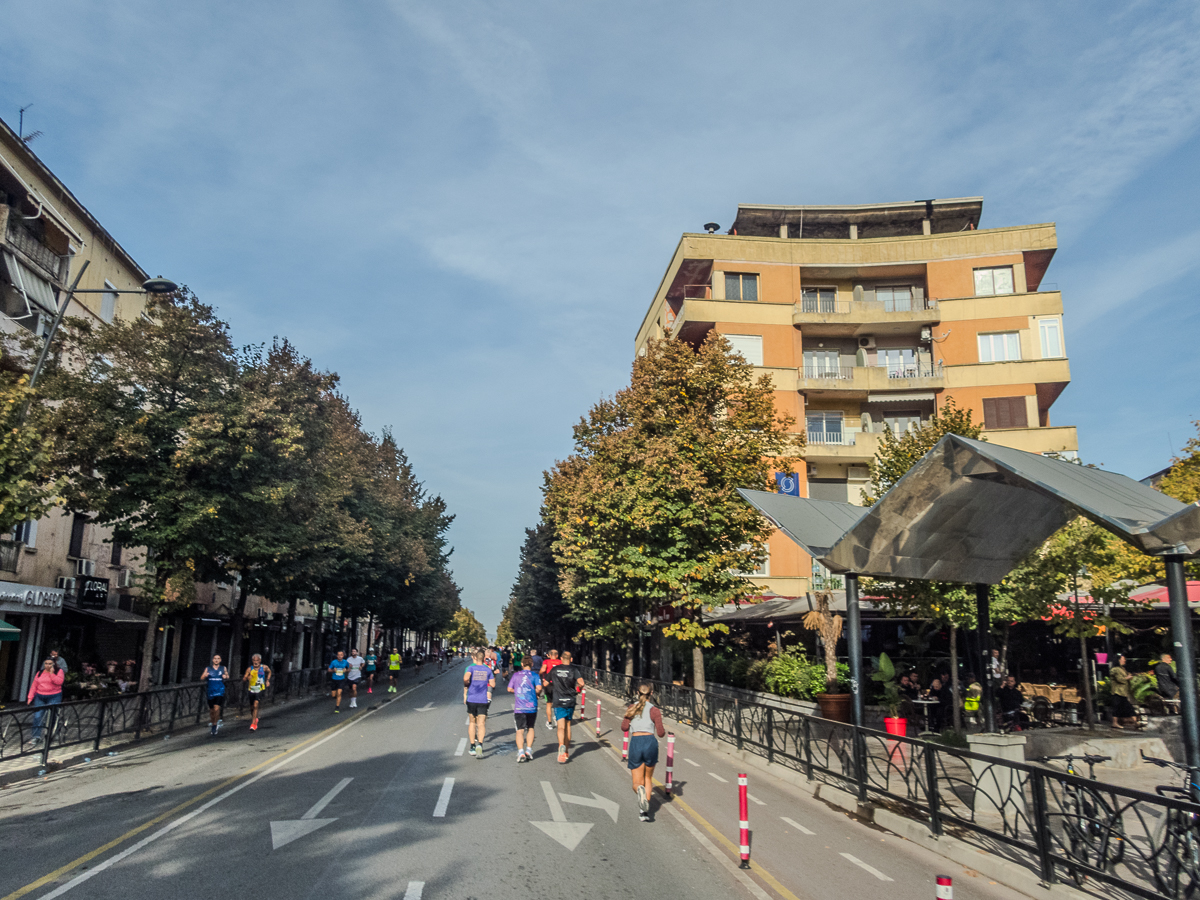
[869, 318]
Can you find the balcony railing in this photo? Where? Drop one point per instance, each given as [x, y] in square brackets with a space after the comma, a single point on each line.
[912, 304]
[833, 373]
[912, 371]
[827, 583]
[24, 240]
[830, 437]
[697, 292]
[820, 305]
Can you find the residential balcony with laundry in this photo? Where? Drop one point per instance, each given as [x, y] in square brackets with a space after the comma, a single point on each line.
[870, 318]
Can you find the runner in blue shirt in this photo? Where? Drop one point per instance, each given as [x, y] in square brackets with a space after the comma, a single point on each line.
[478, 683]
[526, 685]
[214, 678]
[371, 659]
[337, 674]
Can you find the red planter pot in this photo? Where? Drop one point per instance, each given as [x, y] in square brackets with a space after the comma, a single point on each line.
[898, 727]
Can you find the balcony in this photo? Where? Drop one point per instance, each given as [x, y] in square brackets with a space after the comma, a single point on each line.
[844, 446]
[1051, 439]
[22, 239]
[857, 317]
[852, 381]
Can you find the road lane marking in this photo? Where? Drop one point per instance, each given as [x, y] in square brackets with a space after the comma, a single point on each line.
[286, 756]
[462, 748]
[556, 810]
[414, 891]
[797, 825]
[439, 811]
[595, 801]
[747, 882]
[718, 777]
[691, 762]
[862, 865]
[569, 834]
[325, 801]
[754, 799]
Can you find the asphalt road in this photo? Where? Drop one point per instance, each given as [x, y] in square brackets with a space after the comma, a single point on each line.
[383, 802]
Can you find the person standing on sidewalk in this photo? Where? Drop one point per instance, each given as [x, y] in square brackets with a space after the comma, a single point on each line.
[393, 669]
[526, 685]
[567, 680]
[46, 690]
[337, 675]
[214, 677]
[478, 683]
[643, 720]
[257, 678]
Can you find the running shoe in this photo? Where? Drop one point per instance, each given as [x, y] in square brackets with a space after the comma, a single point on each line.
[549, 727]
[370, 691]
[220, 722]
[562, 757]
[643, 803]
[212, 730]
[254, 725]
[478, 751]
[354, 703]
[336, 710]
[521, 757]
[643, 817]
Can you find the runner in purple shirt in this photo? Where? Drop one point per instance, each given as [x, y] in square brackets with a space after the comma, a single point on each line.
[526, 685]
[478, 683]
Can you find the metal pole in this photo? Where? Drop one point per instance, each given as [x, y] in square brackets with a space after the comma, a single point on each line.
[983, 620]
[854, 648]
[1185, 662]
[62, 311]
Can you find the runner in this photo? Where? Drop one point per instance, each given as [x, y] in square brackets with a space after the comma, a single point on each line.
[441, 660]
[354, 675]
[393, 669]
[506, 659]
[258, 679]
[547, 667]
[642, 720]
[566, 680]
[478, 683]
[527, 686]
[371, 660]
[337, 674]
[419, 659]
[215, 676]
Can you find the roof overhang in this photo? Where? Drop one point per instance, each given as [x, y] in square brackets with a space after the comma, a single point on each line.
[872, 219]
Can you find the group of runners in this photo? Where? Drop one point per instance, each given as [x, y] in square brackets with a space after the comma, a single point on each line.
[257, 679]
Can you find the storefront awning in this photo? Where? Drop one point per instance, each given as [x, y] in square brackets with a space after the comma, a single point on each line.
[917, 397]
[112, 616]
[9, 632]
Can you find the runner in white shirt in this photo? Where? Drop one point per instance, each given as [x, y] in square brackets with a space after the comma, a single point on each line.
[354, 675]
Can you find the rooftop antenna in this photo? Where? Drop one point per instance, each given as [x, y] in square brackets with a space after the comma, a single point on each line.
[33, 135]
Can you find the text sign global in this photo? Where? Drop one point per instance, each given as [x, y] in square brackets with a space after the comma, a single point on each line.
[30, 599]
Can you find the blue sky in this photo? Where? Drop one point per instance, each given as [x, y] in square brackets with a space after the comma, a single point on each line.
[464, 209]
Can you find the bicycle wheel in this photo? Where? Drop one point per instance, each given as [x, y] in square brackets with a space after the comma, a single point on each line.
[1180, 863]
[1077, 829]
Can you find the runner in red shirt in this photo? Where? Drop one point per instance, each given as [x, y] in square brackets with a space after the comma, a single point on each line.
[552, 660]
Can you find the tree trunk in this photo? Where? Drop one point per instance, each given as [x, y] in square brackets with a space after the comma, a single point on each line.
[830, 664]
[954, 684]
[698, 681]
[665, 661]
[148, 649]
[630, 649]
[238, 622]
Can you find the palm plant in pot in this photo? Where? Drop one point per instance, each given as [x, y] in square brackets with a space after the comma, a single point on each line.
[885, 675]
[834, 702]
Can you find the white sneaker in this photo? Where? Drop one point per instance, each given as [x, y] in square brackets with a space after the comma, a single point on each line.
[549, 727]
[643, 803]
[354, 703]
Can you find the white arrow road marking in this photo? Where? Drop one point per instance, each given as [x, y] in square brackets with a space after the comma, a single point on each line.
[462, 747]
[797, 825]
[426, 708]
[569, 834]
[754, 799]
[862, 865]
[599, 802]
[286, 831]
[439, 811]
[415, 889]
[691, 762]
[718, 777]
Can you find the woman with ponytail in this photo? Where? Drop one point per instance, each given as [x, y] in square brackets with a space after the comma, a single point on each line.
[642, 720]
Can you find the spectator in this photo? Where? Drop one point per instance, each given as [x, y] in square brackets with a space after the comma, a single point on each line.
[942, 713]
[1164, 674]
[1012, 704]
[1122, 710]
[59, 662]
[46, 690]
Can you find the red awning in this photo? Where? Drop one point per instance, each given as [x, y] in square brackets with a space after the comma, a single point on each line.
[1158, 593]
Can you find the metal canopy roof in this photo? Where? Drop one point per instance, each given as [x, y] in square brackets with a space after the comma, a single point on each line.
[816, 525]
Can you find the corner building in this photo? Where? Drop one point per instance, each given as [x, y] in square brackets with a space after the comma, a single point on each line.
[869, 318]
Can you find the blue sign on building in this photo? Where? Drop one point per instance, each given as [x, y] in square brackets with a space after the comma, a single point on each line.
[789, 483]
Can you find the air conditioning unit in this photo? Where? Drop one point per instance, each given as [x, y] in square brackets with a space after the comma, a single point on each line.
[867, 343]
[65, 584]
[85, 568]
[126, 579]
[926, 335]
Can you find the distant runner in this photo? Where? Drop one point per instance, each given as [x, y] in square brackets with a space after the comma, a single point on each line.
[566, 680]
[546, 668]
[393, 669]
[642, 720]
[337, 674]
[257, 679]
[526, 685]
[478, 683]
[215, 677]
[371, 659]
[354, 675]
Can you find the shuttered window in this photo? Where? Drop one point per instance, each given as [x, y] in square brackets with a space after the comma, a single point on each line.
[749, 345]
[77, 525]
[741, 286]
[1005, 412]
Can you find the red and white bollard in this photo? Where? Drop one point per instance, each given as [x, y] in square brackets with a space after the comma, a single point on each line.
[582, 704]
[743, 821]
[945, 888]
[597, 718]
[625, 746]
[670, 762]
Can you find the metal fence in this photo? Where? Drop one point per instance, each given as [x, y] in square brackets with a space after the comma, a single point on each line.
[33, 732]
[1063, 826]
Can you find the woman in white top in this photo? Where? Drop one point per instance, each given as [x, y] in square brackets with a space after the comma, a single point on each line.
[642, 720]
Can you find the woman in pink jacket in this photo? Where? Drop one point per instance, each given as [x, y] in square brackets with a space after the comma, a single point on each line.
[46, 690]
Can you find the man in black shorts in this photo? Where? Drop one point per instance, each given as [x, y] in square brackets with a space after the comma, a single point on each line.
[478, 684]
[525, 685]
[565, 680]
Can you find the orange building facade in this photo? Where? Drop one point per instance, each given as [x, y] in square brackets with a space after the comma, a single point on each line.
[869, 318]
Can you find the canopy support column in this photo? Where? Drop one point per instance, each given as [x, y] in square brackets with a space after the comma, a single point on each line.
[1185, 661]
[854, 649]
[983, 621]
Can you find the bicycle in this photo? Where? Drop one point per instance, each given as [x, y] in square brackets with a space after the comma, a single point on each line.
[1177, 838]
[1095, 832]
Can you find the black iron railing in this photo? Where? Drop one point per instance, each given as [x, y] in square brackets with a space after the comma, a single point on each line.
[1059, 824]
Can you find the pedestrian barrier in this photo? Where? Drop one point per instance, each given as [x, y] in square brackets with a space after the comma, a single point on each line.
[743, 820]
[597, 718]
[1057, 824]
[625, 746]
[583, 704]
[945, 888]
[670, 762]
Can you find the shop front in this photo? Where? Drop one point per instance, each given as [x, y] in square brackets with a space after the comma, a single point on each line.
[25, 607]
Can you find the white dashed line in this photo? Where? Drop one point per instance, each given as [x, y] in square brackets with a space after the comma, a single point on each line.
[797, 825]
[862, 865]
[754, 799]
[462, 748]
[415, 889]
[718, 777]
[691, 762]
[439, 811]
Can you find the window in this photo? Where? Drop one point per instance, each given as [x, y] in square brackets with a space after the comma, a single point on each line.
[818, 300]
[115, 559]
[749, 345]
[1051, 334]
[1003, 346]
[825, 428]
[996, 280]
[895, 299]
[901, 362]
[26, 533]
[764, 568]
[741, 286]
[77, 525]
[108, 302]
[899, 422]
[822, 364]
[1005, 412]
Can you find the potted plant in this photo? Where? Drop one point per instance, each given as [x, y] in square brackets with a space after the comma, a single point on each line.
[885, 675]
[834, 702]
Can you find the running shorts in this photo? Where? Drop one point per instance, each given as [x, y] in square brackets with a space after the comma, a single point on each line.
[525, 720]
[477, 709]
[215, 701]
[643, 751]
[258, 695]
[564, 712]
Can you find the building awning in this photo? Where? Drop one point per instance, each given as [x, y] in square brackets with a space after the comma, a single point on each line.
[816, 525]
[112, 616]
[1157, 593]
[917, 397]
[9, 632]
[35, 288]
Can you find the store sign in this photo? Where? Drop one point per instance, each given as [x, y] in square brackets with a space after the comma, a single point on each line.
[30, 599]
[93, 593]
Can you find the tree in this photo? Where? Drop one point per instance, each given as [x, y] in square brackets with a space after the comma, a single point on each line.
[536, 610]
[896, 455]
[646, 512]
[27, 488]
[466, 630]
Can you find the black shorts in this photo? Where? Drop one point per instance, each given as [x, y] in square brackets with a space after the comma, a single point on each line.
[336, 684]
[217, 701]
[525, 720]
[257, 696]
[477, 709]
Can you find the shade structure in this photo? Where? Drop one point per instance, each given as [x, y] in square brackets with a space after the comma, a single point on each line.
[1157, 593]
[9, 632]
[816, 525]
